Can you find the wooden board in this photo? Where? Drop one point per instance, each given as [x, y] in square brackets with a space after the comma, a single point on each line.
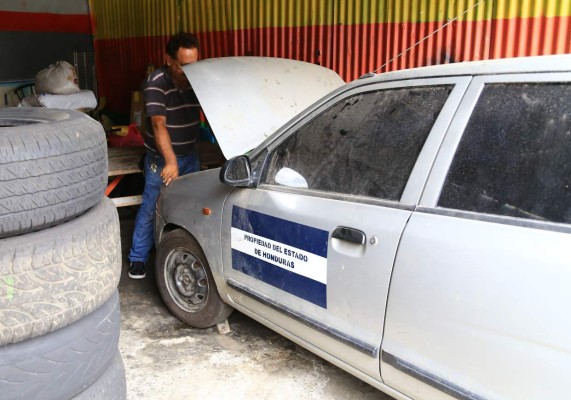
[127, 201]
[125, 160]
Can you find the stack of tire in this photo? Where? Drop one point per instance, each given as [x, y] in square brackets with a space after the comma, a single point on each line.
[60, 259]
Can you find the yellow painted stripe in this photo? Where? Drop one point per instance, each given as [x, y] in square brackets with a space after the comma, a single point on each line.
[139, 18]
[532, 8]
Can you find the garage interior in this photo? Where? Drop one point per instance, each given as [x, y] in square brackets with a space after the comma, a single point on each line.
[114, 44]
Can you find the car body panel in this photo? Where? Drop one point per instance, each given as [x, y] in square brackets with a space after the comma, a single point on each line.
[246, 99]
[360, 272]
[479, 304]
[443, 303]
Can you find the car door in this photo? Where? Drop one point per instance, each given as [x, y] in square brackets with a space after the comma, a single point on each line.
[310, 250]
[480, 287]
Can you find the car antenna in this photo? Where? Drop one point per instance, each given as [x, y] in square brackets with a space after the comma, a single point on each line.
[371, 74]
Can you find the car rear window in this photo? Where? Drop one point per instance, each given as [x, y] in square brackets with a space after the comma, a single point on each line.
[514, 158]
[364, 145]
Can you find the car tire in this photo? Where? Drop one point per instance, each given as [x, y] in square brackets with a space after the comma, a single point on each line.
[112, 385]
[53, 167]
[51, 278]
[186, 283]
[63, 363]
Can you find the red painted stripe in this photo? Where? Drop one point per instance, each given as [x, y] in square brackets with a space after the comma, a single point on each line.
[530, 36]
[350, 50]
[44, 22]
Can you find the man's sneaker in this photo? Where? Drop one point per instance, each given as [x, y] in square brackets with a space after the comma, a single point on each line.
[136, 270]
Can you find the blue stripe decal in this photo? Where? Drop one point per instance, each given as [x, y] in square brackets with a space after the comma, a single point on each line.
[289, 256]
[303, 237]
[307, 289]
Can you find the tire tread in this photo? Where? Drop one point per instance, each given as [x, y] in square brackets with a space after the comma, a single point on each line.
[49, 172]
[51, 278]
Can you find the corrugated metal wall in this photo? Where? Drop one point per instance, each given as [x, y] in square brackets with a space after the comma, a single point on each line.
[37, 33]
[351, 37]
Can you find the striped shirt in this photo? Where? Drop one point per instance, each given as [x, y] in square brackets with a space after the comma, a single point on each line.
[180, 107]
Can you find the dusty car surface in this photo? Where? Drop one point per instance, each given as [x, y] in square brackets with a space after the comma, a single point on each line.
[413, 228]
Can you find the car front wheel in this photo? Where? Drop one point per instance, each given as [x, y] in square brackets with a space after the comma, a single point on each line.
[186, 283]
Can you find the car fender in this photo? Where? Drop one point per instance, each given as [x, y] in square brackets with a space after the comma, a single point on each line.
[194, 202]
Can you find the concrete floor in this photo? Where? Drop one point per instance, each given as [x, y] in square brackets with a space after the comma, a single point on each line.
[165, 359]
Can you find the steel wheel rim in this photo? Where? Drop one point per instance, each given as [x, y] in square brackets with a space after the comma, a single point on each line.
[186, 280]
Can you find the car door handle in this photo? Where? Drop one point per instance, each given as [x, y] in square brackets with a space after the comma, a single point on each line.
[349, 235]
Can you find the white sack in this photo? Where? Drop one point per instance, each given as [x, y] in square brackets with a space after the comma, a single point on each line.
[58, 78]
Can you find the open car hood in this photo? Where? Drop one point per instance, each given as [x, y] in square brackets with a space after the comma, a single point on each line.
[246, 99]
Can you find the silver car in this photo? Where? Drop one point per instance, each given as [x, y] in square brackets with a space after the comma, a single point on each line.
[412, 228]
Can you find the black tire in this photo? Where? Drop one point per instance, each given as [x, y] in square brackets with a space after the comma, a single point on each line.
[53, 167]
[186, 283]
[51, 278]
[112, 385]
[63, 363]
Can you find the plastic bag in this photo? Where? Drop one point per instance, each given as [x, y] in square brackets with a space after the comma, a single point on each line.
[128, 137]
[58, 78]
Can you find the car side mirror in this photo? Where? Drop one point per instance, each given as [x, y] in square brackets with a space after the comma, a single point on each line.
[236, 172]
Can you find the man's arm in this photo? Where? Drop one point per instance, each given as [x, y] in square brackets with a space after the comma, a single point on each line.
[163, 141]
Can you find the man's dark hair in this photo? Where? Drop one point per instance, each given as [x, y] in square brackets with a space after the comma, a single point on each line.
[182, 39]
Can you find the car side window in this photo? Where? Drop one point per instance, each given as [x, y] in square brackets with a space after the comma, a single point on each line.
[363, 145]
[514, 158]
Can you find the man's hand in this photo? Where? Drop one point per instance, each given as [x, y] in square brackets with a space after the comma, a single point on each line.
[169, 172]
[163, 141]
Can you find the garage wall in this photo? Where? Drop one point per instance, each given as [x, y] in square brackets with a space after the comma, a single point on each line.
[37, 33]
[350, 36]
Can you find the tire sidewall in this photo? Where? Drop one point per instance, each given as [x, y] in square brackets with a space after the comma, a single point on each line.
[70, 129]
[62, 363]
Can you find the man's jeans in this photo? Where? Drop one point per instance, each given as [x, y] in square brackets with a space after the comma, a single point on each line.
[143, 236]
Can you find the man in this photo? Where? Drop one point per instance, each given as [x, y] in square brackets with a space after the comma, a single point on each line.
[171, 129]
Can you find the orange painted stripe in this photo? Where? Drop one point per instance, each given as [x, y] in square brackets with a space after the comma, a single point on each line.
[133, 18]
[44, 22]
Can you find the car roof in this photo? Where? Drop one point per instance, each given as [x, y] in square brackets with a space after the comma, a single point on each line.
[550, 63]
